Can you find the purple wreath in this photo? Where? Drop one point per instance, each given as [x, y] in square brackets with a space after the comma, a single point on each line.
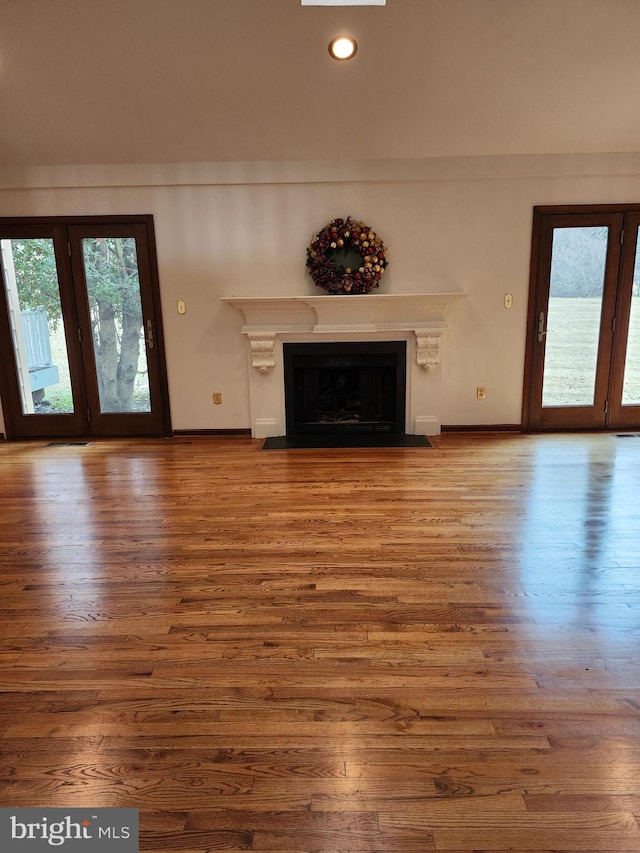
[346, 257]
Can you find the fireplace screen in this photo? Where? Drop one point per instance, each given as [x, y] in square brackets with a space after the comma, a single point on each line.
[345, 387]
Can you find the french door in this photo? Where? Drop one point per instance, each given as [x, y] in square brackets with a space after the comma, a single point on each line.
[583, 344]
[81, 342]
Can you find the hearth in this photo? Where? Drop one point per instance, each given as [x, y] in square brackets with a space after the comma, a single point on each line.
[337, 388]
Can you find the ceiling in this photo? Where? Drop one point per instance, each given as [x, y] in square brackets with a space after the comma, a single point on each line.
[160, 81]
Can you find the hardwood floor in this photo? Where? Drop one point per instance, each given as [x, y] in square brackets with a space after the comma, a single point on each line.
[338, 651]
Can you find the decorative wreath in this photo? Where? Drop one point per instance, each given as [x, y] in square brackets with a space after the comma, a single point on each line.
[346, 257]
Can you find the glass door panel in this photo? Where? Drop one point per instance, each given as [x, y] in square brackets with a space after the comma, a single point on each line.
[117, 326]
[583, 347]
[117, 293]
[631, 384]
[625, 374]
[576, 261]
[37, 331]
[574, 315]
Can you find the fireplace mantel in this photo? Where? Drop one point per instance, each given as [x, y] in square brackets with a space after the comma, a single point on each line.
[352, 313]
[266, 317]
[270, 320]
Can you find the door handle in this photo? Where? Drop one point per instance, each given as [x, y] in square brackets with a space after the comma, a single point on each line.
[541, 329]
[149, 334]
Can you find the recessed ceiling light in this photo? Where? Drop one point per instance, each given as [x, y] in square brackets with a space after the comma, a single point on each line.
[343, 47]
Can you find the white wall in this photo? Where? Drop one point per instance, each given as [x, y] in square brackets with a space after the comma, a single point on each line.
[242, 229]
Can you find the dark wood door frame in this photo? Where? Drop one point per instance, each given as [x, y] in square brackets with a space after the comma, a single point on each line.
[45, 426]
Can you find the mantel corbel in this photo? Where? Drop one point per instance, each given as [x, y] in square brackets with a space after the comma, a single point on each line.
[262, 347]
[428, 348]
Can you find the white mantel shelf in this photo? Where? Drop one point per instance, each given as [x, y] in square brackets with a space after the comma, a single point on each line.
[344, 313]
[270, 321]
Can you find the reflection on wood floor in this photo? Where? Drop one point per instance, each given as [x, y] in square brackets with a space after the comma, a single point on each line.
[338, 651]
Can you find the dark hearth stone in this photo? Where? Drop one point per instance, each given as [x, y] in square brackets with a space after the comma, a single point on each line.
[348, 439]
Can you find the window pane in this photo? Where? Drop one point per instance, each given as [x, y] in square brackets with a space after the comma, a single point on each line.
[631, 387]
[37, 332]
[113, 288]
[573, 318]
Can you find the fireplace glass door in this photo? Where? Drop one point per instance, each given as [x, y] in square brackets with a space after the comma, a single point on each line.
[345, 387]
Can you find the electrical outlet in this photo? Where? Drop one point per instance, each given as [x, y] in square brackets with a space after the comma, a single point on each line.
[217, 397]
[182, 308]
[481, 392]
[508, 300]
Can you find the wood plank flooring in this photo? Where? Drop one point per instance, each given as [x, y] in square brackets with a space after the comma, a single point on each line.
[344, 651]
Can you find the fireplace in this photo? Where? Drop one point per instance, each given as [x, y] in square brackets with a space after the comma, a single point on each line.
[345, 387]
[417, 320]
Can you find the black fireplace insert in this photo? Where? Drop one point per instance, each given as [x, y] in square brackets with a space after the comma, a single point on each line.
[345, 387]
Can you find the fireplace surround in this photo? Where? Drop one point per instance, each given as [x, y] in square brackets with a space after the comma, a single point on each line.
[419, 320]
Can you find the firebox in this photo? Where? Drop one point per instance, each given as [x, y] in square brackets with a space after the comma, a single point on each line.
[345, 387]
